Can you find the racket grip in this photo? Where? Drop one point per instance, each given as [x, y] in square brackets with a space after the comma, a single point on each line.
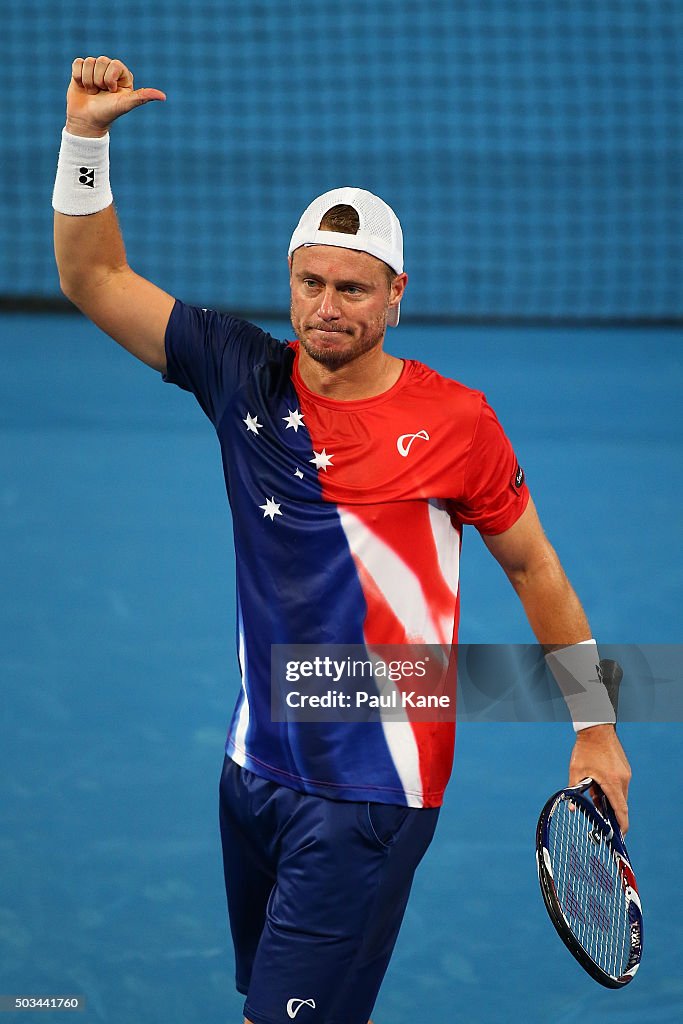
[612, 674]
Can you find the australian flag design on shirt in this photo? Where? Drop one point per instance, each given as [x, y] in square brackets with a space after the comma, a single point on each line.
[348, 520]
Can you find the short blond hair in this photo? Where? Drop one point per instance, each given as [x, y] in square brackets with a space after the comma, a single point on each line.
[345, 219]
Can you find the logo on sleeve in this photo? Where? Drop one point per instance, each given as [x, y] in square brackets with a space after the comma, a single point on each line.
[518, 479]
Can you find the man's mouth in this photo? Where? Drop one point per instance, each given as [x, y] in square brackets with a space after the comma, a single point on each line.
[328, 330]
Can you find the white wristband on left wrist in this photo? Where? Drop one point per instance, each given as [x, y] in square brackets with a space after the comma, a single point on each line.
[577, 673]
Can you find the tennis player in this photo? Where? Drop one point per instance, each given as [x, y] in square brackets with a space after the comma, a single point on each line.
[350, 474]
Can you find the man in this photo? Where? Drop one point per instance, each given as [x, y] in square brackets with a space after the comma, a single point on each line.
[350, 474]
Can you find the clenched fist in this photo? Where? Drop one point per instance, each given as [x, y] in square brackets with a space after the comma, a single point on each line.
[101, 89]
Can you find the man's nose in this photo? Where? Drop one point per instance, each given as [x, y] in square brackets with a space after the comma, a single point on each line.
[329, 305]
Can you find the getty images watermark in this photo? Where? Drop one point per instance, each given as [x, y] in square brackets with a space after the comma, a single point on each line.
[483, 682]
[351, 680]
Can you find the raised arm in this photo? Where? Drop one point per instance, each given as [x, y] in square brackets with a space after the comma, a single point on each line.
[93, 271]
[558, 621]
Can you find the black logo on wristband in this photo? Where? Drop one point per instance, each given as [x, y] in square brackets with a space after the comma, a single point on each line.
[86, 176]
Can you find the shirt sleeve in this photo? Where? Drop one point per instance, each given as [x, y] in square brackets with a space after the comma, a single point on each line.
[210, 354]
[495, 492]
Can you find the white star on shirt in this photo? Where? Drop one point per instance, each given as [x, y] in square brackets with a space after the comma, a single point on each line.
[295, 419]
[321, 459]
[271, 509]
[253, 423]
[297, 472]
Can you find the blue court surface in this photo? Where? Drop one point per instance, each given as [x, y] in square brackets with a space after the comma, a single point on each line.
[119, 675]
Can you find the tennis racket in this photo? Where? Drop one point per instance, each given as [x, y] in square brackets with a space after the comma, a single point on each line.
[588, 885]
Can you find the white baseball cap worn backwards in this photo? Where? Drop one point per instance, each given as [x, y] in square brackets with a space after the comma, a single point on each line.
[379, 233]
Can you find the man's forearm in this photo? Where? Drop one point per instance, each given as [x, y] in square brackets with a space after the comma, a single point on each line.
[560, 624]
[551, 605]
[87, 249]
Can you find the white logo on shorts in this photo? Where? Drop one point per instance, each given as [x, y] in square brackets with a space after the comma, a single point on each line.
[294, 1005]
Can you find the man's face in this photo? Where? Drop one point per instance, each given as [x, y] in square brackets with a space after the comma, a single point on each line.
[339, 302]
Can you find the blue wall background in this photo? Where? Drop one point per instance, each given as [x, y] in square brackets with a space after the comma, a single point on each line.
[532, 149]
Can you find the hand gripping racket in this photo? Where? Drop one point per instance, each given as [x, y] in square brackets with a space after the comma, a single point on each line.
[588, 885]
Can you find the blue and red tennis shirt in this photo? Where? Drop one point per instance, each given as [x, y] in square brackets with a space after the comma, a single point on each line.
[347, 519]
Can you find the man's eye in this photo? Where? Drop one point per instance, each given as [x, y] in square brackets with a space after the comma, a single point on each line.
[352, 289]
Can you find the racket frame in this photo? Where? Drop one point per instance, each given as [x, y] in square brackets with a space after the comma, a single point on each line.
[606, 823]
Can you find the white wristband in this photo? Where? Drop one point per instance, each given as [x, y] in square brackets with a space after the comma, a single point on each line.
[577, 673]
[82, 182]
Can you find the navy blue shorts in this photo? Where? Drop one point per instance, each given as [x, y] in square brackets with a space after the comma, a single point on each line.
[316, 892]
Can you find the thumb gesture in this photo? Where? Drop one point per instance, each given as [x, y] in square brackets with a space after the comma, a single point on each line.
[100, 91]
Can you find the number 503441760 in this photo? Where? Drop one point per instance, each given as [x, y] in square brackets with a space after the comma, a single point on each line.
[43, 1002]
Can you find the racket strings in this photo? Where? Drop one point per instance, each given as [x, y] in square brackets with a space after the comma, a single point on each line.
[589, 888]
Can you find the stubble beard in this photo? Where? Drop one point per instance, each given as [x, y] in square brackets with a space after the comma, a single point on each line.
[332, 359]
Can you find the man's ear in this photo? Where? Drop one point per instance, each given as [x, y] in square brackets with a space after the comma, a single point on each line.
[399, 285]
